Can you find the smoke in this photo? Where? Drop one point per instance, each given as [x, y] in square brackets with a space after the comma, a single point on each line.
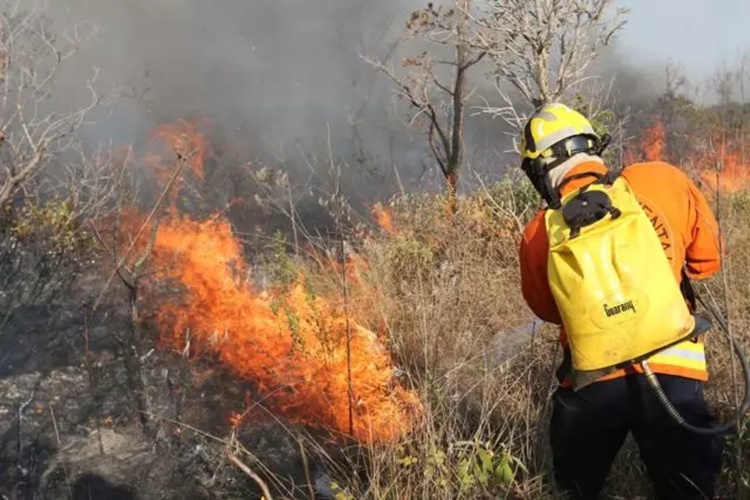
[276, 72]
[271, 76]
[281, 83]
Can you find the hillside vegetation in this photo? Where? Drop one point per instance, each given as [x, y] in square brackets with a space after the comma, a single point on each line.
[178, 322]
[447, 293]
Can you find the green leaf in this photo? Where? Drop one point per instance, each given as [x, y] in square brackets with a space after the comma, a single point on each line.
[504, 472]
[486, 458]
[465, 478]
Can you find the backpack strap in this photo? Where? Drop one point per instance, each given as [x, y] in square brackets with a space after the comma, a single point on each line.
[610, 177]
[580, 176]
[687, 290]
[607, 178]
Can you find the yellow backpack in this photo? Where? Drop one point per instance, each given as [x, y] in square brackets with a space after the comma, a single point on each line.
[612, 282]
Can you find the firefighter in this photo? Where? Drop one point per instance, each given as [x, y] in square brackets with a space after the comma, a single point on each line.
[589, 426]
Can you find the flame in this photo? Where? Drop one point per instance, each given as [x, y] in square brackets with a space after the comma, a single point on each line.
[651, 146]
[185, 138]
[189, 147]
[307, 359]
[292, 346]
[383, 217]
[719, 161]
[727, 173]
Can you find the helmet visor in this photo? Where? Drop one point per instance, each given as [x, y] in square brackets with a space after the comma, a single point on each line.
[570, 146]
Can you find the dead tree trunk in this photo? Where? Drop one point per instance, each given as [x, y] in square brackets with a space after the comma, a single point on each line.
[134, 364]
[456, 152]
[440, 103]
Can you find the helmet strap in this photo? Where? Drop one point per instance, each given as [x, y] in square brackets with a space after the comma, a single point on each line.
[538, 174]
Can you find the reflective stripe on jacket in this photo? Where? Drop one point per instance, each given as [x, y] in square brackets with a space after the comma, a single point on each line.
[689, 234]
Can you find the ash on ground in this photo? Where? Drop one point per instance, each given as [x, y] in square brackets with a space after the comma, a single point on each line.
[70, 425]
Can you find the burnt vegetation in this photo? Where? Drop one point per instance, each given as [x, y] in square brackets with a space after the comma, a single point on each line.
[182, 318]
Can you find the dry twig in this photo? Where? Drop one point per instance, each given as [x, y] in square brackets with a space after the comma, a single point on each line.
[244, 468]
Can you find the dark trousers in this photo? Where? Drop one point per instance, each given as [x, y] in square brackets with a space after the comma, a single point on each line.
[589, 427]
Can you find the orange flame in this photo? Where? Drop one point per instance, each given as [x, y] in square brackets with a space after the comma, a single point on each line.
[307, 358]
[719, 162]
[653, 149]
[651, 146]
[292, 347]
[383, 217]
[726, 172]
[188, 146]
[186, 139]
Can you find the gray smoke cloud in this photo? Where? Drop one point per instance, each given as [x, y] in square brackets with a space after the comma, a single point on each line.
[272, 72]
[268, 74]
[277, 79]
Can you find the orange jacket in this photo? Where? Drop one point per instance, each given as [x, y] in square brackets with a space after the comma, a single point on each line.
[680, 214]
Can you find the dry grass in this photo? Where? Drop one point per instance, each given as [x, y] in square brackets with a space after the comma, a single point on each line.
[446, 296]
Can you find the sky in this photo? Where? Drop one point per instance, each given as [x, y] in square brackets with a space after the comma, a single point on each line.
[699, 34]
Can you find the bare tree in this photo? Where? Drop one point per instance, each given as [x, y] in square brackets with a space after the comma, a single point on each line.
[31, 133]
[43, 246]
[437, 102]
[597, 99]
[543, 49]
[676, 111]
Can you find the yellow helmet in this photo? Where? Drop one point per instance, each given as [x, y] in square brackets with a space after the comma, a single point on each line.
[553, 134]
[551, 124]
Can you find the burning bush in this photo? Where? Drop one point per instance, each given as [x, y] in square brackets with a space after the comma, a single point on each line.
[308, 359]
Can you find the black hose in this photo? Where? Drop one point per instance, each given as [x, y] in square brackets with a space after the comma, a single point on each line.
[717, 429]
